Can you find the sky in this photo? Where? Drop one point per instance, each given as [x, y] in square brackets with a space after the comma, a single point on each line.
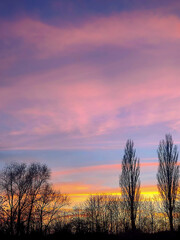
[80, 77]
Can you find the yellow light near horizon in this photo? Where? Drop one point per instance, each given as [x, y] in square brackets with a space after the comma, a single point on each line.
[78, 198]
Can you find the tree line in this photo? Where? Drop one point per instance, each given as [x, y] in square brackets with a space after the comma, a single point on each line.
[28, 202]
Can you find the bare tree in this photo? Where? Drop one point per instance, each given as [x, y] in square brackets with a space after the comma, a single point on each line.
[178, 209]
[49, 206]
[79, 221]
[20, 186]
[93, 209]
[14, 186]
[147, 215]
[130, 181]
[27, 200]
[102, 213]
[151, 211]
[38, 176]
[168, 176]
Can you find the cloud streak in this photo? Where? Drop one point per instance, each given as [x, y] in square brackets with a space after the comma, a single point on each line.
[127, 30]
[98, 168]
[77, 109]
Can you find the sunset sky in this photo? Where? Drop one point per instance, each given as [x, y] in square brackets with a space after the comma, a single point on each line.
[80, 77]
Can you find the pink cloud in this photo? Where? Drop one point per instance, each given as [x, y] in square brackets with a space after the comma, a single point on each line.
[82, 105]
[99, 168]
[126, 29]
[79, 100]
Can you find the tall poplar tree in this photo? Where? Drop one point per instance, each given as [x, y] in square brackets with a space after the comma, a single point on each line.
[130, 182]
[168, 176]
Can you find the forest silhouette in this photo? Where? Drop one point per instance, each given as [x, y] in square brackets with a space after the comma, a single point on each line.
[31, 208]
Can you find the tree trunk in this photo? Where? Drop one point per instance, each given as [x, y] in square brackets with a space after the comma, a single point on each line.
[133, 226]
[41, 221]
[29, 215]
[11, 222]
[171, 220]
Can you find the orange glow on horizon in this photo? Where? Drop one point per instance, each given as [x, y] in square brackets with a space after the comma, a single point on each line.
[79, 193]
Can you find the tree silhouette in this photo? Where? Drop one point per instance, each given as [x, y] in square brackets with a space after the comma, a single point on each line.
[168, 176]
[14, 183]
[38, 177]
[27, 200]
[48, 207]
[130, 182]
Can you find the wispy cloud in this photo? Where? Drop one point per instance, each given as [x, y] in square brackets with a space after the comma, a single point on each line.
[75, 104]
[127, 30]
[98, 168]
